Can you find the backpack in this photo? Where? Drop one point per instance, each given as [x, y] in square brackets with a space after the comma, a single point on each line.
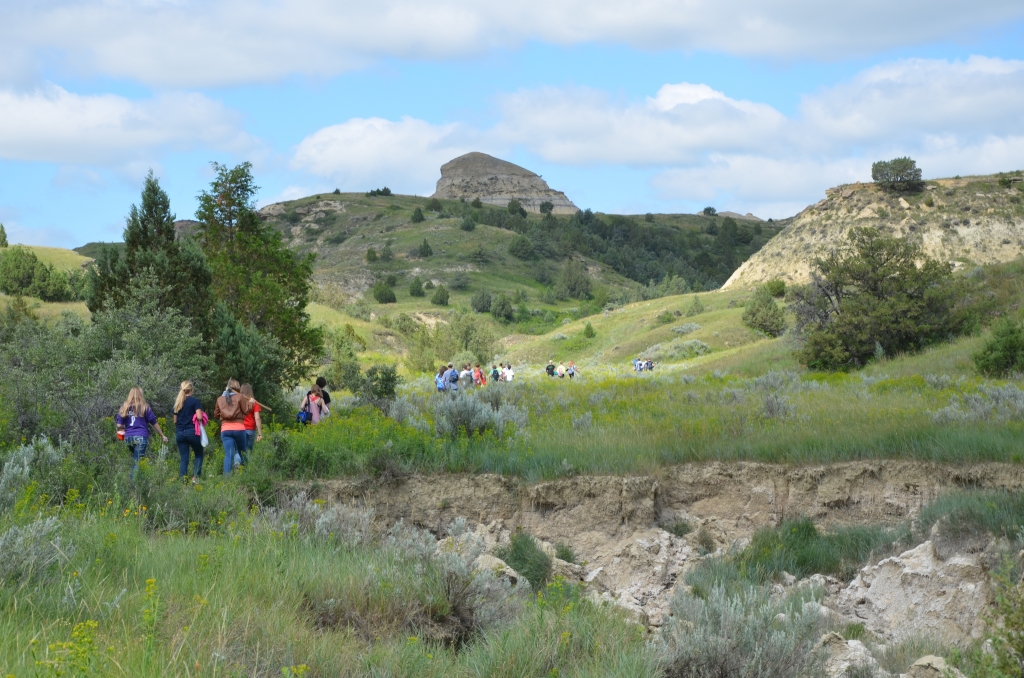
[305, 415]
[495, 374]
[439, 382]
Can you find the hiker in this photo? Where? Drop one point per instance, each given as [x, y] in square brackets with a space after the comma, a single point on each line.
[478, 376]
[231, 409]
[439, 380]
[187, 411]
[253, 423]
[314, 404]
[322, 383]
[550, 368]
[561, 370]
[451, 379]
[133, 421]
[466, 376]
[572, 369]
[495, 373]
[636, 364]
[509, 374]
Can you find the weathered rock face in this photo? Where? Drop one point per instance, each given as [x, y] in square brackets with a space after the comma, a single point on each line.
[917, 594]
[495, 182]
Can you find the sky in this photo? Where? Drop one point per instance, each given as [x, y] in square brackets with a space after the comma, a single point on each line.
[628, 107]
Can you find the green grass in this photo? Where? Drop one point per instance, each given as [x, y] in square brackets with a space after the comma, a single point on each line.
[524, 555]
[59, 258]
[48, 310]
[242, 599]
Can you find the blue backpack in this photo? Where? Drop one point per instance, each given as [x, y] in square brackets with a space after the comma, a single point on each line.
[439, 382]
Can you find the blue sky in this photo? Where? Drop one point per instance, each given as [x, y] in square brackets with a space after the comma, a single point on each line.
[650, 105]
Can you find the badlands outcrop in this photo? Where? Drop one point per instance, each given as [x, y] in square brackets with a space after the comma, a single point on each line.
[496, 182]
[958, 220]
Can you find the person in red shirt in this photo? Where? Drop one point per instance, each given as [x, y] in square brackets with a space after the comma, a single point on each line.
[252, 422]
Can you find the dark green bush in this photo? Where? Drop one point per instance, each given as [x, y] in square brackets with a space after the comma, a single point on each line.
[522, 248]
[763, 313]
[523, 555]
[416, 288]
[460, 281]
[425, 250]
[776, 287]
[898, 174]
[481, 302]
[417, 216]
[467, 224]
[588, 331]
[1003, 353]
[565, 552]
[384, 294]
[434, 205]
[440, 297]
[371, 255]
[501, 308]
[391, 280]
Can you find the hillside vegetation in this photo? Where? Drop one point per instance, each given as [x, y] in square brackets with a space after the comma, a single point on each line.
[969, 220]
[622, 252]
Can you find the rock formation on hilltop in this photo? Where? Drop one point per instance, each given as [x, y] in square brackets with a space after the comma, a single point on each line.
[973, 220]
[496, 182]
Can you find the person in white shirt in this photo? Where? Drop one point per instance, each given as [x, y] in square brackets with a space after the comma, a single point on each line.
[511, 375]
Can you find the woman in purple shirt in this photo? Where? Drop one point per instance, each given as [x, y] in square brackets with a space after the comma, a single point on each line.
[133, 421]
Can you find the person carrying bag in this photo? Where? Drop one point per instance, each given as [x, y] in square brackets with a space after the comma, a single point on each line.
[231, 409]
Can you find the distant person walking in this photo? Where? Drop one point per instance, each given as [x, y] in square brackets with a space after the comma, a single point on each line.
[231, 409]
[253, 423]
[322, 383]
[571, 371]
[561, 370]
[133, 421]
[439, 380]
[479, 378]
[451, 379]
[550, 368]
[315, 405]
[495, 373]
[186, 408]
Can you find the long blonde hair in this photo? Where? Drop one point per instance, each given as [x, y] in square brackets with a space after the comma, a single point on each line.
[186, 391]
[135, 402]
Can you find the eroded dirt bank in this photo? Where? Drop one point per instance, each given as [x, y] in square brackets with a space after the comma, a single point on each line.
[615, 524]
[733, 499]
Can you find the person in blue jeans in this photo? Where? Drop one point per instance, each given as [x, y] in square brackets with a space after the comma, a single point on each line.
[231, 409]
[253, 424]
[133, 421]
[186, 408]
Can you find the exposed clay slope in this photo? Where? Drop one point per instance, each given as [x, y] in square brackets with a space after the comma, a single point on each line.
[496, 182]
[968, 220]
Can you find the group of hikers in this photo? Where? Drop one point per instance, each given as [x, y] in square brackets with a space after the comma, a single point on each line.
[449, 378]
[561, 371]
[642, 364]
[237, 410]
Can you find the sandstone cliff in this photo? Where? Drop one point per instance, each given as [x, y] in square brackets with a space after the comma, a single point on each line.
[495, 182]
[970, 220]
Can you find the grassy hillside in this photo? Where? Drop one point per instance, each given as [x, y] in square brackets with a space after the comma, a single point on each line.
[970, 220]
[340, 228]
[66, 260]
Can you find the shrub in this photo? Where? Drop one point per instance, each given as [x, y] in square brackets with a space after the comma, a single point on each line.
[33, 552]
[434, 205]
[898, 174]
[874, 294]
[522, 248]
[371, 255]
[679, 528]
[649, 218]
[709, 211]
[481, 302]
[460, 281]
[573, 282]
[564, 552]
[391, 280]
[524, 555]
[467, 224]
[547, 207]
[677, 349]
[381, 192]
[417, 216]
[696, 307]
[501, 308]
[429, 285]
[686, 328]
[416, 288]
[1003, 353]
[763, 314]
[723, 634]
[386, 253]
[476, 204]
[588, 331]
[425, 250]
[776, 287]
[384, 294]
[515, 208]
[440, 297]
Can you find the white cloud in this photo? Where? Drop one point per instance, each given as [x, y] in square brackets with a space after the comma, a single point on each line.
[364, 153]
[192, 43]
[706, 148]
[51, 124]
[679, 124]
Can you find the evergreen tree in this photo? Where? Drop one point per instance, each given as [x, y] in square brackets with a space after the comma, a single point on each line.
[574, 281]
[440, 297]
[178, 266]
[265, 285]
[417, 216]
[371, 255]
[3, 236]
[386, 254]
[501, 308]
[425, 249]
[416, 288]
